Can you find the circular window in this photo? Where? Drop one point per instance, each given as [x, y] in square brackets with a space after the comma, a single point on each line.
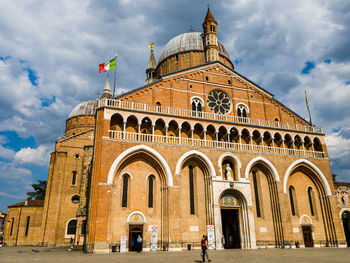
[75, 199]
[219, 102]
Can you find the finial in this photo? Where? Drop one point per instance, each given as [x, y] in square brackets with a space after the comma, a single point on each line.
[151, 45]
[191, 29]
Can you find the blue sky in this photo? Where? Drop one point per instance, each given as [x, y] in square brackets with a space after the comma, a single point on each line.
[49, 60]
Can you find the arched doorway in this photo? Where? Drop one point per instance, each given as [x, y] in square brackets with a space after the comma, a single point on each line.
[230, 220]
[306, 226]
[234, 226]
[136, 221]
[346, 224]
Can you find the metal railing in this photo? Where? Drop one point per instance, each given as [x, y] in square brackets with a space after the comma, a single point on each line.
[205, 115]
[221, 145]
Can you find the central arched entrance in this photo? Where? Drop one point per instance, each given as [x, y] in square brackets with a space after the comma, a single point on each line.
[234, 220]
[346, 224]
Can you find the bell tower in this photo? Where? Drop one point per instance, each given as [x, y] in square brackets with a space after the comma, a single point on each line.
[151, 68]
[210, 38]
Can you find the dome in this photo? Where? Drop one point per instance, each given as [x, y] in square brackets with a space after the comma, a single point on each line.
[191, 41]
[85, 108]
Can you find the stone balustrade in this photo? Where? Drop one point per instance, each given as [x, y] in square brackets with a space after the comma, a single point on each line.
[141, 107]
[212, 144]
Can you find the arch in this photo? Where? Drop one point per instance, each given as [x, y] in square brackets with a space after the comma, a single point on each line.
[69, 220]
[136, 212]
[237, 161]
[137, 148]
[344, 209]
[195, 153]
[310, 165]
[244, 105]
[265, 161]
[197, 98]
[305, 218]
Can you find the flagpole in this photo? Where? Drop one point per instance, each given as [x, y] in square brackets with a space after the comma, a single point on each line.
[308, 108]
[115, 75]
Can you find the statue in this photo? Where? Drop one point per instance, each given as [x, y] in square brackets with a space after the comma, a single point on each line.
[228, 172]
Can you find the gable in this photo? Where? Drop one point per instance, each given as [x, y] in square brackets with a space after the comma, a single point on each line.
[178, 89]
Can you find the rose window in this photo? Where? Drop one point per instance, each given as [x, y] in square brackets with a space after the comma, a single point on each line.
[219, 102]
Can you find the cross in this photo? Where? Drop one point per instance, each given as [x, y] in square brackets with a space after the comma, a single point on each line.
[97, 94]
[191, 28]
[151, 45]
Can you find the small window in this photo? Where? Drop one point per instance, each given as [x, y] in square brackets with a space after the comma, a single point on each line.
[229, 82]
[150, 191]
[27, 226]
[76, 156]
[292, 200]
[75, 199]
[74, 177]
[257, 201]
[191, 190]
[125, 191]
[72, 227]
[190, 86]
[310, 193]
[11, 229]
[177, 57]
[207, 78]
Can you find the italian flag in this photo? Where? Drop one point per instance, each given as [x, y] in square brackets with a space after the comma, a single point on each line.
[110, 65]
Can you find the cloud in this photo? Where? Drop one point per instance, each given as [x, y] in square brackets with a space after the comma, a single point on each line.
[6, 153]
[38, 156]
[49, 58]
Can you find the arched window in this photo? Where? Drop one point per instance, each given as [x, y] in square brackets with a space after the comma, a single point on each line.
[242, 112]
[158, 105]
[11, 229]
[197, 106]
[190, 168]
[72, 227]
[310, 193]
[257, 201]
[27, 226]
[150, 191]
[125, 191]
[292, 199]
[74, 177]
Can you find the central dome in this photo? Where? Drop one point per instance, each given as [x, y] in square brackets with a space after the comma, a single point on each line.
[191, 41]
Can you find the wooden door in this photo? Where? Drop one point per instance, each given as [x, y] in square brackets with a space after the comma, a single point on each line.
[307, 234]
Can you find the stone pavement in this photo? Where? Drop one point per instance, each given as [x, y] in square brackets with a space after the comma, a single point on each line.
[57, 255]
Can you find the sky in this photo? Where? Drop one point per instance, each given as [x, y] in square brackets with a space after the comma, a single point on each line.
[50, 52]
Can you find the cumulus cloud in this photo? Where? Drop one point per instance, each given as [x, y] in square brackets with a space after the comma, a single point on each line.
[38, 156]
[49, 58]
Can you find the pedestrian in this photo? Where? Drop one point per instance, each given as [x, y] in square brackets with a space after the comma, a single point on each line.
[204, 246]
[139, 243]
[70, 244]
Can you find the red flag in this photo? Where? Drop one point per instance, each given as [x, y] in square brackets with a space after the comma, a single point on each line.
[102, 68]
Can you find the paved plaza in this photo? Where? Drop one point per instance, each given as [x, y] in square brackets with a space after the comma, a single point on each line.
[57, 255]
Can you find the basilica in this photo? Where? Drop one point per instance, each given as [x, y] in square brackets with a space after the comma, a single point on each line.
[199, 149]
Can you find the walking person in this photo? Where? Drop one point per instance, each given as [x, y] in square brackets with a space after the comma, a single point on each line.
[70, 244]
[204, 246]
[139, 243]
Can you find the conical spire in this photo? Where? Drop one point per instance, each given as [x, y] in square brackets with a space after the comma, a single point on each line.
[107, 92]
[209, 17]
[151, 68]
